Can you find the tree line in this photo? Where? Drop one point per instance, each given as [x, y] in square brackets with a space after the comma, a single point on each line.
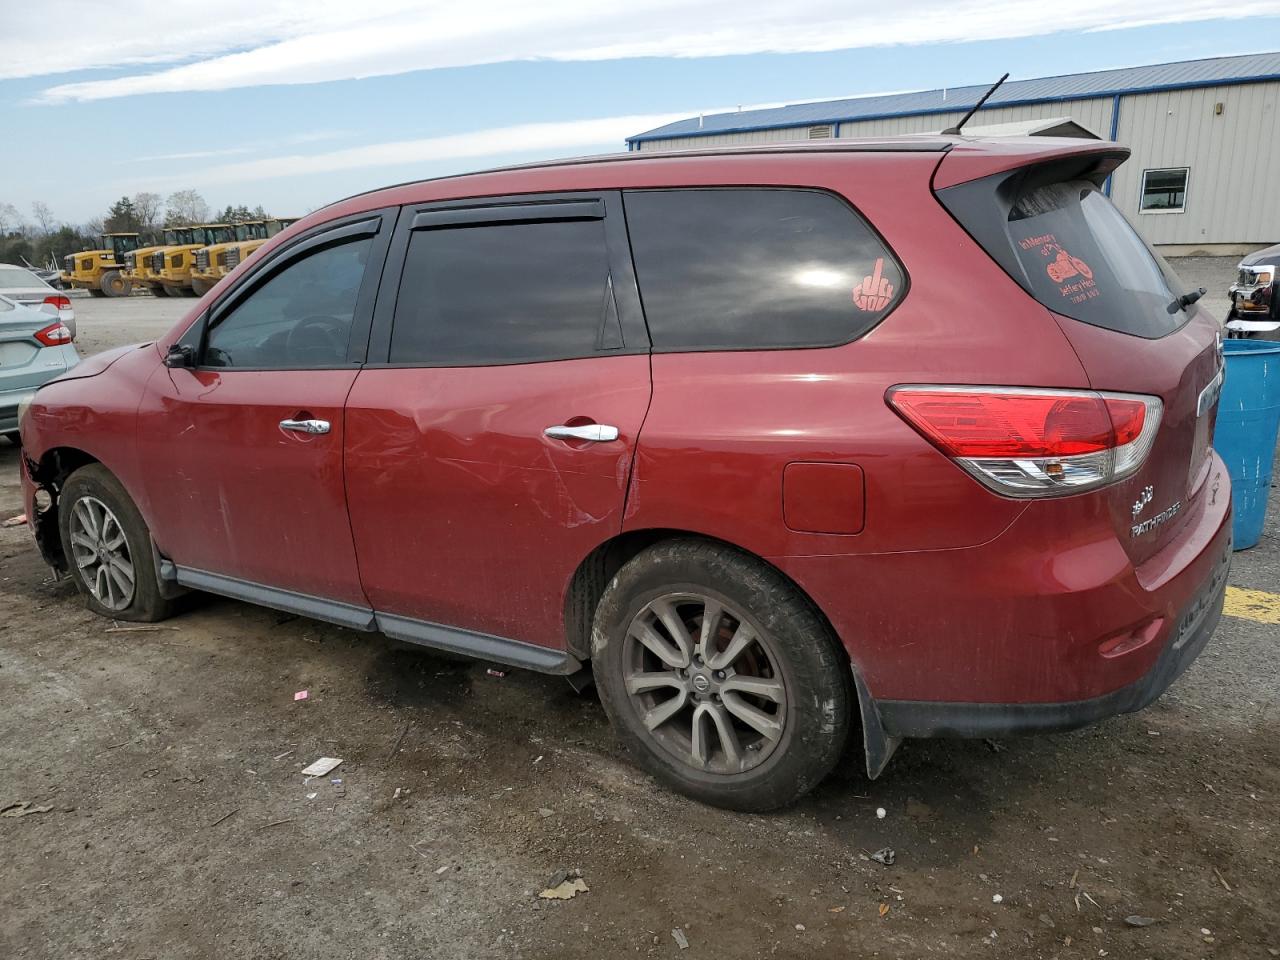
[43, 240]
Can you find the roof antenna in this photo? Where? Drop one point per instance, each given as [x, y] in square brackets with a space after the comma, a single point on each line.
[955, 131]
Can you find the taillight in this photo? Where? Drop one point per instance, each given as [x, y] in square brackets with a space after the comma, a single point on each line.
[54, 335]
[59, 301]
[1034, 443]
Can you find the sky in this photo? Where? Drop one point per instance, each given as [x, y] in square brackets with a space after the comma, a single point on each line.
[293, 105]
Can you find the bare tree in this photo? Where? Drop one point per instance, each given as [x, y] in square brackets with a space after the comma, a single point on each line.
[185, 207]
[44, 217]
[10, 218]
[146, 207]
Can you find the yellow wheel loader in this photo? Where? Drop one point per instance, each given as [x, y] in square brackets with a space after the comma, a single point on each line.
[211, 262]
[139, 262]
[101, 272]
[173, 264]
[239, 253]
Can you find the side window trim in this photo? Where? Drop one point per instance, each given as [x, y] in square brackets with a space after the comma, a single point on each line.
[583, 205]
[366, 224]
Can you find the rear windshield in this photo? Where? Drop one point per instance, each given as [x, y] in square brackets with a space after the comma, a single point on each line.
[1071, 249]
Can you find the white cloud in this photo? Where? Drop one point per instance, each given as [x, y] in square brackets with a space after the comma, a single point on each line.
[258, 42]
[311, 136]
[546, 139]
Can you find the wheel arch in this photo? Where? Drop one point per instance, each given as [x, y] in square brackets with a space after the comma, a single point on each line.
[49, 472]
[587, 585]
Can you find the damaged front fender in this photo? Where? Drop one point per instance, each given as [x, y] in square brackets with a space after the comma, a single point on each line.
[40, 496]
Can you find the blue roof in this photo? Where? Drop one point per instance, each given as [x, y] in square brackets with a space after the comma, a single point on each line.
[1075, 86]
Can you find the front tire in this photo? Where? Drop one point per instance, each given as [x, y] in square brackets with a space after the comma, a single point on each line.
[115, 284]
[108, 548]
[749, 713]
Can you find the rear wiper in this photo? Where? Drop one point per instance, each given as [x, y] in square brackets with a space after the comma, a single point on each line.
[1187, 299]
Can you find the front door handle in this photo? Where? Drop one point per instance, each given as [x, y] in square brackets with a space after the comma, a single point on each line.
[305, 426]
[593, 432]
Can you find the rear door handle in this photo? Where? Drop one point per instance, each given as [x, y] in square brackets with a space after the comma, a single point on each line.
[305, 426]
[593, 432]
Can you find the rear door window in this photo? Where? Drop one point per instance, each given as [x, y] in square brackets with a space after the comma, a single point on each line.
[744, 269]
[506, 293]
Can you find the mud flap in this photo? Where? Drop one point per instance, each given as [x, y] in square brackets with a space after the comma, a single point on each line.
[876, 744]
[166, 575]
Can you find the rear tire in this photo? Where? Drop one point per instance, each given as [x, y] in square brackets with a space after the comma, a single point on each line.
[173, 290]
[157, 290]
[115, 284]
[752, 730]
[108, 548]
[200, 287]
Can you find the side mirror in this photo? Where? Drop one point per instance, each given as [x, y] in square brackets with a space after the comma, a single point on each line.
[179, 355]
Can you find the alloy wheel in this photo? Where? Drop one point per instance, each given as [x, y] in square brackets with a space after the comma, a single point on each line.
[705, 682]
[101, 553]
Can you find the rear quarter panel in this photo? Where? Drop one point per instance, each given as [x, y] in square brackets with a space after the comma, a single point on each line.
[723, 425]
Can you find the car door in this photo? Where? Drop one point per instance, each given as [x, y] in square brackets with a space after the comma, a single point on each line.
[488, 452]
[243, 448]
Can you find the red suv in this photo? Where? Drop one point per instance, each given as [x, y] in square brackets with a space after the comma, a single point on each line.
[907, 435]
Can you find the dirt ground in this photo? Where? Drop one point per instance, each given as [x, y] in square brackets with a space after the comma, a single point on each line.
[180, 826]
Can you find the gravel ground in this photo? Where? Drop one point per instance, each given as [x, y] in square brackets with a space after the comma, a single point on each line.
[180, 825]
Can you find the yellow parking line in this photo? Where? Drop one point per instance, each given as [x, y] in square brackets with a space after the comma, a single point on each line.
[1256, 605]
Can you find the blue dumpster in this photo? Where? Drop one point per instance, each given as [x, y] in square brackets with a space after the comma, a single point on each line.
[1245, 435]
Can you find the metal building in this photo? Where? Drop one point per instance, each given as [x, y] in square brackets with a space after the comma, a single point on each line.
[1204, 175]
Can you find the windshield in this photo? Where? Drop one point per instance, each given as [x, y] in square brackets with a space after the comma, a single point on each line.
[15, 278]
[215, 235]
[243, 231]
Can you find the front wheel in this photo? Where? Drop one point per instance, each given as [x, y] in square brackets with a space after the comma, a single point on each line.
[115, 284]
[720, 677]
[108, 548]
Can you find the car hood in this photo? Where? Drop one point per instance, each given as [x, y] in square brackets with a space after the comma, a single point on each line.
[1267, 255]
[92, 366]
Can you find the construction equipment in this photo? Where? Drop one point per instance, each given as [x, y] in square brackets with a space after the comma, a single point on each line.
[172, 265]
[238, 253]
[101, 271]
[211, 262]
[138, 262]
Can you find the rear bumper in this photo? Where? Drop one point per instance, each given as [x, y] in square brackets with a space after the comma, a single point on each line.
[907, 718]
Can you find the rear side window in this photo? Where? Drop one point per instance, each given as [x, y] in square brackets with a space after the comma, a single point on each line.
[737, 269]
[1068, 246]
[506, 293]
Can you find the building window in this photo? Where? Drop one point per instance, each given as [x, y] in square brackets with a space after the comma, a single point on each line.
[1164, 191]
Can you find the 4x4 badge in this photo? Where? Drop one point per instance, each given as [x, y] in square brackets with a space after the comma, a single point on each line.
[1148, 493]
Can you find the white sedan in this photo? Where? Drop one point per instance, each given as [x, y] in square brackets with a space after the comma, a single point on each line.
[22, 286]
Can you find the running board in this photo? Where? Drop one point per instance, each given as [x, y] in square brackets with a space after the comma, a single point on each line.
[343, 614]
[482, 646]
